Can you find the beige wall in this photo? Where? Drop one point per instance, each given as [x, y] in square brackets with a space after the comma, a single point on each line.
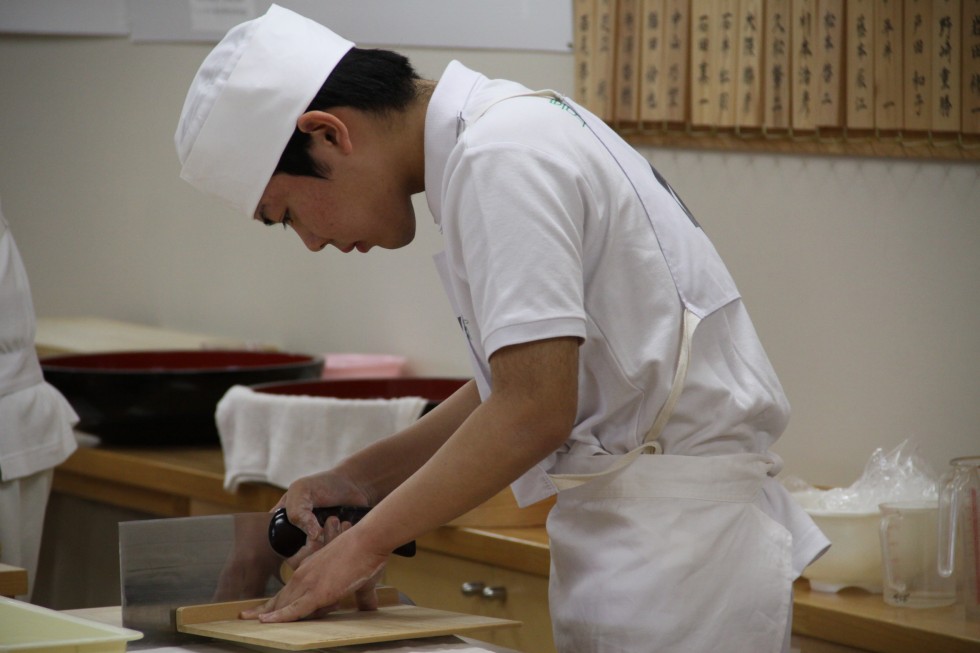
[862, 275]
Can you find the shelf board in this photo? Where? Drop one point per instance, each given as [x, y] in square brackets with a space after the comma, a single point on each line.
[918, 145]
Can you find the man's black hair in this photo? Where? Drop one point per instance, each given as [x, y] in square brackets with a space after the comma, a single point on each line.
[375, 81]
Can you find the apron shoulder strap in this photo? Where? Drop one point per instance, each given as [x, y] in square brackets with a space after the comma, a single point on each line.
[689, 322]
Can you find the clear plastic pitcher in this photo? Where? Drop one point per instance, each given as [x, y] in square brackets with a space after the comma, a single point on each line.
[909, 546]
[959, 526]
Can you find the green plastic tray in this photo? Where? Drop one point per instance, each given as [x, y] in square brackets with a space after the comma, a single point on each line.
[29, 628]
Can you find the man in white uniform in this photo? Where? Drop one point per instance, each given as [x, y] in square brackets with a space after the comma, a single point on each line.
[35, 420]
[614, 359]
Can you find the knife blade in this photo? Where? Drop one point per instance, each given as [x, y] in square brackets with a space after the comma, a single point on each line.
[168, 563]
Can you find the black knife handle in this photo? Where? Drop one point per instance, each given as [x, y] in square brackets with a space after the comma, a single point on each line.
[286, 538]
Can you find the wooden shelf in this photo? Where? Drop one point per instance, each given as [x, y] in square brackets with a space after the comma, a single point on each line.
[941, 147]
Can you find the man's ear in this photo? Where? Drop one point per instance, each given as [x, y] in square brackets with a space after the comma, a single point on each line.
[323, 128]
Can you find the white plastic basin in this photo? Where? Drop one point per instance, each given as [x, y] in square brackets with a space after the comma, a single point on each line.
[854, 558]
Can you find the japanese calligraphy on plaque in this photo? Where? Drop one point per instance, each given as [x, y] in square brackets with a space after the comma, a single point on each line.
[677, 57]
[971, 67]
[628, 61]
[776, 65]
[653, 76]
[725, 55]
[748, 82]
[583, 45]
[889, 103]
[829, 50]
[604, 62]
[804, 64]
[918, 65]
[859, 62]
[946, 49]
[703, 76]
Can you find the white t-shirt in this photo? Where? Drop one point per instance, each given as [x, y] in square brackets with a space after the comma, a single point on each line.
[545, 237]
[35, 419]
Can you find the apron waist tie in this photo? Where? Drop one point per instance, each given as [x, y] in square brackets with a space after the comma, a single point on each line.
[689, 322]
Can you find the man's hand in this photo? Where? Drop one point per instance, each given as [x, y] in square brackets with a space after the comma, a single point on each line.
[323, 579]
[326, 489]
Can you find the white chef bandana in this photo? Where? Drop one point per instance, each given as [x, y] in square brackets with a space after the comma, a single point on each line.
[243, 104]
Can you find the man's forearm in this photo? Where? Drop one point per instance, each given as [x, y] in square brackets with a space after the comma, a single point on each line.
[529, 414]
[384, 465]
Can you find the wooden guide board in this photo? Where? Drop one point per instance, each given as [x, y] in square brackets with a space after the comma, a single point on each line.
[390, 622]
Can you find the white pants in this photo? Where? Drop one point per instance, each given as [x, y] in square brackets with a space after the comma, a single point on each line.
[671, 555]
[22, 505]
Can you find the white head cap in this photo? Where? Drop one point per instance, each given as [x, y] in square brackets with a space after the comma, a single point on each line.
[243, 104]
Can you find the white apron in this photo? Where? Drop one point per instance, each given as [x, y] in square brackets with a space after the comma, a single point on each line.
[666, 553]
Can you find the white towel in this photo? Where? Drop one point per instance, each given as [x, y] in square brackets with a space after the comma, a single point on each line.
[279, 438]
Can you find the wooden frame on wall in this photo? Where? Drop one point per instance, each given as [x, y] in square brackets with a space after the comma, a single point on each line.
[878, 78]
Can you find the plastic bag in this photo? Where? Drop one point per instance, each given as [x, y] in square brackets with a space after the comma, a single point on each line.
[902, 474]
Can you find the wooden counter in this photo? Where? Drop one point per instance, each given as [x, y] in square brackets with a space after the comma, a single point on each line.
[863, 620]
[13, 581]
[175, 482]
[189, 481]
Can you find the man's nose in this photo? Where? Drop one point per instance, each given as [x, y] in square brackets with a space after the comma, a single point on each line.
[313, 243]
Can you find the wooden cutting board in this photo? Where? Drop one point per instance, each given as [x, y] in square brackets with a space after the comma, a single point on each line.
[391, 621]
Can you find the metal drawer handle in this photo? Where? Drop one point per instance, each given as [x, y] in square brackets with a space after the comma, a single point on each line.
[473, 588]
[479, 588]
[498, 592]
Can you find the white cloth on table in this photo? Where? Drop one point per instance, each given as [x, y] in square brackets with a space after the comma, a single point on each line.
[279, 438]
